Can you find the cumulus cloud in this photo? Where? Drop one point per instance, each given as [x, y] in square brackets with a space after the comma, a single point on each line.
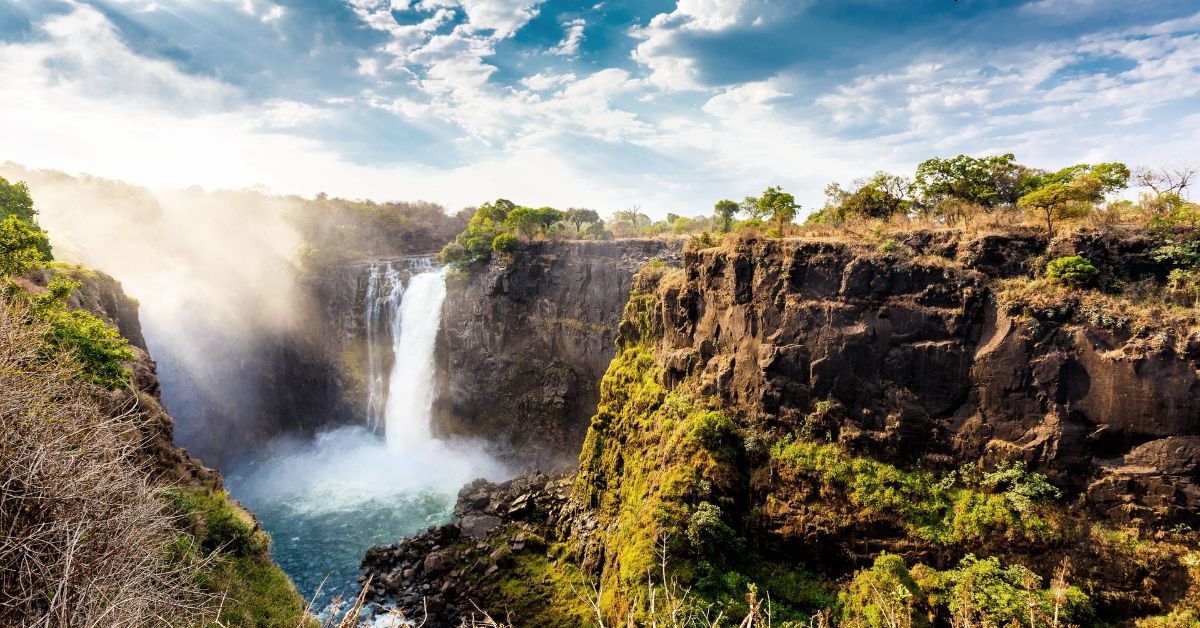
[664, 51]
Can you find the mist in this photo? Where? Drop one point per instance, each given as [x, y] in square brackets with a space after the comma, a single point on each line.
[216, 275]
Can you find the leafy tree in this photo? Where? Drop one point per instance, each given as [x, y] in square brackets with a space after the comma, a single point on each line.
[474, 245]
[15, 200]
[725, 211]
[1061, 200]
[778, 205]
[529, 221]
[1105, 178]
[580, 217]
[22, 246]
[985, 181]
[880, 196]
[504, 243]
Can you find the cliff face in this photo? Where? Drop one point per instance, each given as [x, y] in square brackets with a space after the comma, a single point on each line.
[786, 412]
[926, 361]
[525, 342]
[164, 543]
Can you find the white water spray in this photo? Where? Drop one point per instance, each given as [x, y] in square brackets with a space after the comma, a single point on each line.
[409, 410]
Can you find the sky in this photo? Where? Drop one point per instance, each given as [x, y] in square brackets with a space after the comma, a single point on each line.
[665, 105]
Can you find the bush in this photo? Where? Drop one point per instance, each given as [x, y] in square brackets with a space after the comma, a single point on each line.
[883, 596]
[713, 430]
[1073, 270]
[22, 246]
[99, 349]
[708, 532]
[504, 243]
[1184, 286]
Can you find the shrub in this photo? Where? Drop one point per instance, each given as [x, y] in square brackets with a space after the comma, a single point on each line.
[1073, 270]
[713, 430]
[1184, 286]
[99, 349]
[985, 592]
[504, 243]
[708, 532]
[22, 246]
[883, 596]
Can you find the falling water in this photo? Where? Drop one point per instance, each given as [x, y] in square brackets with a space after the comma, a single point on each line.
[384, 291]
[328, 499]
[411, 385]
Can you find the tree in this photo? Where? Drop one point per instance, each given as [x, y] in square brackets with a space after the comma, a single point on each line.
[985, 181]
[880, 196]
[523, 220]
[1167, 179]
[1058, 200]
[475, 243]
[580, 217]
[627, 222]
[780, 206]
[725, 210]
[21, 246]
[15, 200]
[1108, 177]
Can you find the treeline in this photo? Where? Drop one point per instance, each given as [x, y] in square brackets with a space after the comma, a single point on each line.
[498, 227]
[337, 230]
[950, 190]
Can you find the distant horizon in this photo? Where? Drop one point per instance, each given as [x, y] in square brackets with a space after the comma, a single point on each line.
[666, 105]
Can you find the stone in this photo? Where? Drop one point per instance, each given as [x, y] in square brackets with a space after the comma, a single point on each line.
[477, 527]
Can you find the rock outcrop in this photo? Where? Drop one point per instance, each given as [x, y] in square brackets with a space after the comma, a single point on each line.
[437, 576]
[526, 340]
[924, 364]
[757, 385]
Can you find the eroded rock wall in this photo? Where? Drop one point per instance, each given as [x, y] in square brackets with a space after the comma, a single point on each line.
[923, 365]
[526, 340]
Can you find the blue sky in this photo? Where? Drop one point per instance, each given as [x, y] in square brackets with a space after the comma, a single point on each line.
[669, 105]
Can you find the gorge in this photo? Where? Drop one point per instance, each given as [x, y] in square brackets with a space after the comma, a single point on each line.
[572, 431]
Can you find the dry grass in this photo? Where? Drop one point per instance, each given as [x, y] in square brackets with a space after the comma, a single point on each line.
[84, 536]
[1143, 308]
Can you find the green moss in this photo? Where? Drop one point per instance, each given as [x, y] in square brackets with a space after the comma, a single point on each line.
[929, 507]
[558, 600]
[255, 591]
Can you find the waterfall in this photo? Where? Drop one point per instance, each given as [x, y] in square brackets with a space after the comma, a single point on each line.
[402, 323]
[411, 386]
[384, 291]
[328, 499]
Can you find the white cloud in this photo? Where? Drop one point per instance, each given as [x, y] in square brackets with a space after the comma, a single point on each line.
[543, 81]
[572, 39]
[738, 100]
[672, 65]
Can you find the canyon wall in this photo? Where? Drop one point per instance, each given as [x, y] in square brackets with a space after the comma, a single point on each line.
[526, 340]
[785, 412]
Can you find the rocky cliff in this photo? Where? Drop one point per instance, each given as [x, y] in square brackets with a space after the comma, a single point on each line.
[161, 540]
[526, 340]
[792, 413]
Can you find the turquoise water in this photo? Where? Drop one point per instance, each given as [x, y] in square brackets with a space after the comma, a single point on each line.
[326, 501]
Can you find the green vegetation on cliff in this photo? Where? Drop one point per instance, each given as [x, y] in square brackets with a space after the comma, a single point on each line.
[229, 551]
